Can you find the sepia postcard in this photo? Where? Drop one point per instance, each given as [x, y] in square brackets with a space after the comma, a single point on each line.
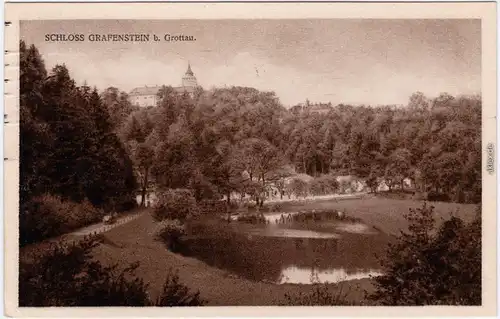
[250, 159]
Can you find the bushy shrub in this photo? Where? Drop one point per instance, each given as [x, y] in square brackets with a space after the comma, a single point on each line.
[344, 186]
[429, 267]
[250, 206]
[175, 204]
[324, 185]
[298, 187]
[320, 295]
[264, 209]
[126, 204]
[175, 294]
[437, 197]
[275, 207]
[214, 207]
[252, 219]
[67, 276]
[233, 205]
[49, 216]
[170, 233]
[83, 214]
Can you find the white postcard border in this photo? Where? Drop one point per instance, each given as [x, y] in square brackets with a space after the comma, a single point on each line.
[14, 12]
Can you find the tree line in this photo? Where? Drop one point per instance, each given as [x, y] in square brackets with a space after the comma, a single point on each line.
[435, 143]
[243, 140]
[74, 169]
[69, 151]
[84, 153]
[80, 145]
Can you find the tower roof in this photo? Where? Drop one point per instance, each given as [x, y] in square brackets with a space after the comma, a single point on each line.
[189, 72]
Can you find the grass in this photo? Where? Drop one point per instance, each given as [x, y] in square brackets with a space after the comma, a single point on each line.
[218, 287]
[384, 214]
[135, 242]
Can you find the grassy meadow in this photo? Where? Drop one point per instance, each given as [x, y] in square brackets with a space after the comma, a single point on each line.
[385, 214]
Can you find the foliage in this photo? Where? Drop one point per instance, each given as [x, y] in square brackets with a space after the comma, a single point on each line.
[67, 276]
[373, 182]
[81, 145]
[429, 267]
[324, 185]
[68, 145]
[320, 295]
[136, 133]
[252, 218]
[170, 233]
[274, 207]
[143, 159]
[175, 204]
[435, 143]
[228, 135]
[36, 138]
[214, 207]
[118, 105]
[175, 294]
[49, 216]
[298, 187]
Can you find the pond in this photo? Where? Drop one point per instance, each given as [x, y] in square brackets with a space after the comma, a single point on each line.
[327, 251]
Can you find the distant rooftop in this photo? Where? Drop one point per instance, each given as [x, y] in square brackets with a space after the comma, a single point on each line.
[153, 90]
[189, 72]
[145, 90]
[188, 86]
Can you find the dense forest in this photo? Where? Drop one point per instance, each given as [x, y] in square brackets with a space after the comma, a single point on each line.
[434, 143]
[69, 153]
[82, 146]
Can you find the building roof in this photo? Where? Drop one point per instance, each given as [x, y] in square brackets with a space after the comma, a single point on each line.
[189, 72]
[145, 90]
[153, 90]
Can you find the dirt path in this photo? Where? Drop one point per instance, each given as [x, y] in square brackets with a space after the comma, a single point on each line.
[31, 251]
[134, 242]
[101, 227]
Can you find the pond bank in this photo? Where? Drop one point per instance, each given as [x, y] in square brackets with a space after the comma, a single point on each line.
[133, 242]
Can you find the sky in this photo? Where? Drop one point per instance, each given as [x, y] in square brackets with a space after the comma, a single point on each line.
[350, 61]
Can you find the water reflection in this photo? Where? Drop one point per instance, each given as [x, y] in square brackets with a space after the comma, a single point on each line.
[274, 218]
[296, 275]
[273, 252]
[356, 228]
[290, 233]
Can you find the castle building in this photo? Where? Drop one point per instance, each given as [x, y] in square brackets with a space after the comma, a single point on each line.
[320, 108]
[148, 95]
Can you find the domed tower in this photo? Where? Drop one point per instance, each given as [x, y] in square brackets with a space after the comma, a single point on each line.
[189, 80]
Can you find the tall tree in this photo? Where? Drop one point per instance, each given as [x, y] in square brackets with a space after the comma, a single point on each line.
[118, 106]
[84, 159]
[35, 135]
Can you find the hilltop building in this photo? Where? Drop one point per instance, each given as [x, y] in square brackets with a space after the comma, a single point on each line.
[148, 95]
[320, 108]
[308, 107]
